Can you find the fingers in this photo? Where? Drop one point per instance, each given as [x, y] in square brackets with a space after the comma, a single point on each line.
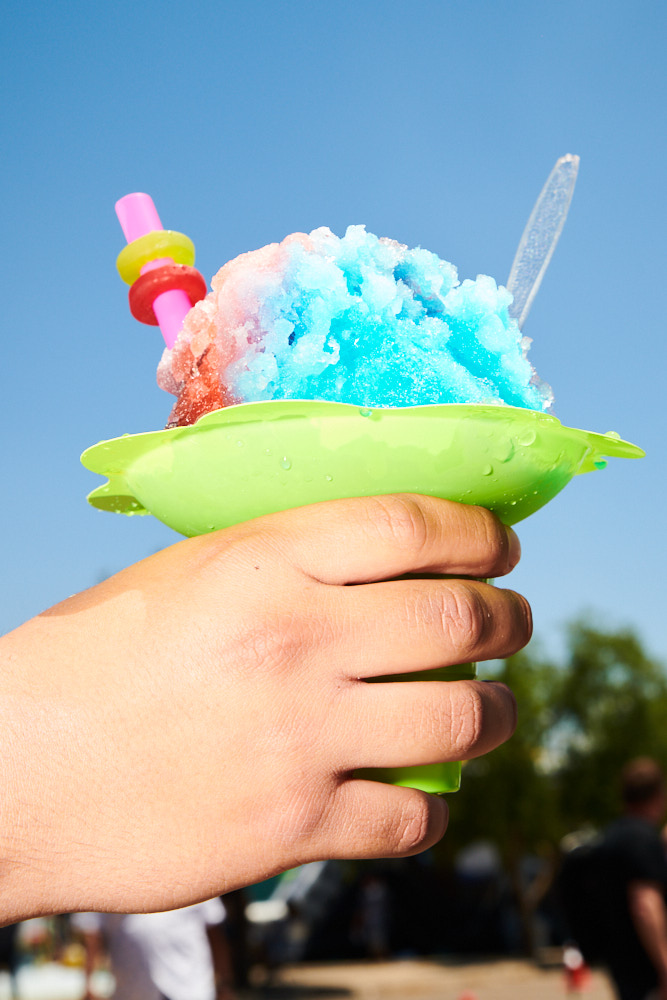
[407, 724]
[401, 724]
[376, 538]
[368, 819]
[407, 625]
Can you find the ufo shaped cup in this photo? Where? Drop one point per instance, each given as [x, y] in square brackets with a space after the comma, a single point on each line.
[244, 461]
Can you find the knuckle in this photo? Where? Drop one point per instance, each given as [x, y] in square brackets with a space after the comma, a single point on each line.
[279, 641]
[466, 619]
[496, 539]
[413, 825]
[398, 519]
[467, 724]
[266, 646]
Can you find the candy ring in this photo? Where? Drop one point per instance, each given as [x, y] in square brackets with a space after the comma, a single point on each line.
[160, 243]
[148, 286]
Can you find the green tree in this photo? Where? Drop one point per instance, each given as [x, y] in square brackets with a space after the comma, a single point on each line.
[509, 796]
[580, 720]
[612, 706]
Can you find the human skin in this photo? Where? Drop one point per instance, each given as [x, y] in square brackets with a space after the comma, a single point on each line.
[192, 724]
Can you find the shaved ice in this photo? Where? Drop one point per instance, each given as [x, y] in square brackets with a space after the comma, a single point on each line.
[357, 319]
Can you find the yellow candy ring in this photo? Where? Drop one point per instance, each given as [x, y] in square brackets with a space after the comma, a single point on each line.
[159, 243]
[148, 286]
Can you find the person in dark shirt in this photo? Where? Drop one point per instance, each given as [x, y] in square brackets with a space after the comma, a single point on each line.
[635, 875]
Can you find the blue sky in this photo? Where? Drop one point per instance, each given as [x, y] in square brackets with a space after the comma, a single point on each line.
[435, 123]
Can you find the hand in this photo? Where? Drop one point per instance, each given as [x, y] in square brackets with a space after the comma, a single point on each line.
[192, 724]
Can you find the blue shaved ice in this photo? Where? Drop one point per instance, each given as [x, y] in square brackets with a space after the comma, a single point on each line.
[357, 319]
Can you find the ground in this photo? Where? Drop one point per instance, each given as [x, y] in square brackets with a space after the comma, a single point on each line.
[418, 979]
[434, 980]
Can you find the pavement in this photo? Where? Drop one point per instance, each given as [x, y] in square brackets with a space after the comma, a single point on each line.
[407, 979]
[422, 979]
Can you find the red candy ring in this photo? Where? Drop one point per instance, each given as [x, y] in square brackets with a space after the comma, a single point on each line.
[148, 286]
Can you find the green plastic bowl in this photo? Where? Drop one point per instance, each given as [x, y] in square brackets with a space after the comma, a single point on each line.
[244, 461]
[257, 458]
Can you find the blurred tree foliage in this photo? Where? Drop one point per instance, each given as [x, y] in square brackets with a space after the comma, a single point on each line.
[612, 704]
[580, 720]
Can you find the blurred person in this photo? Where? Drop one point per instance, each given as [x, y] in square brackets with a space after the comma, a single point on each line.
[9, 958]
[216, 692]
[633, 872]
[370, 929]
[174, 955]
[236, 934]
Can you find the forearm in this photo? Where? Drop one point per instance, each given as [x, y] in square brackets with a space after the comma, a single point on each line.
[24, 762]
[53, 758]
[647, 908]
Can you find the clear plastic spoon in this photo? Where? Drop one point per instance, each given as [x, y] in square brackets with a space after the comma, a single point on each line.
[540, 236]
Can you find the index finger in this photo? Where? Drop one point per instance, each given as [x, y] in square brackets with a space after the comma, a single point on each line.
[378, 538]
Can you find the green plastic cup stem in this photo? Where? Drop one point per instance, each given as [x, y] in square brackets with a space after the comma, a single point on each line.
[245, 461]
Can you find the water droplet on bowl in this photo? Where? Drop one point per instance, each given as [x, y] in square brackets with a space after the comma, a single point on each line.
[527, 437]
[613, 434]
[487, 470]
[365, 412]
[600, 463]
[286, 462]
[329, 479]
[239, 444]
[504, 450]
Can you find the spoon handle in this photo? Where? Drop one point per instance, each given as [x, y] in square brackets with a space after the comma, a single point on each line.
[540, 236]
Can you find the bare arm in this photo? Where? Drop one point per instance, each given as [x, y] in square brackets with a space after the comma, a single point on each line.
[212, 698]
[649, 915]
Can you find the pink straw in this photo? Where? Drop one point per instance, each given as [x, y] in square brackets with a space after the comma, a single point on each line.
[137, 215]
